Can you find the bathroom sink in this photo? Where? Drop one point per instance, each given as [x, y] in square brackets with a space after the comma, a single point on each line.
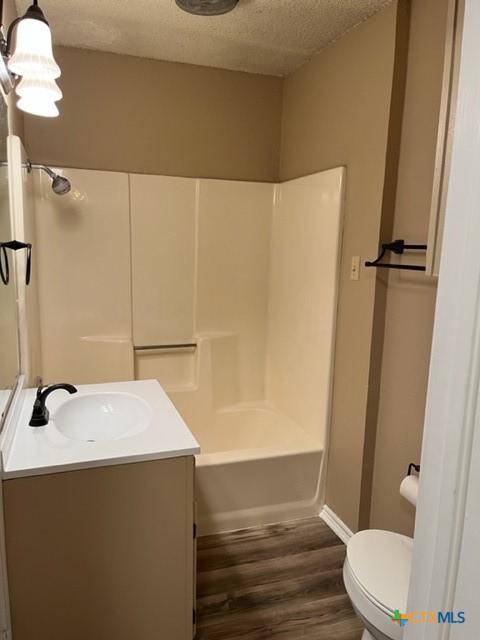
[102, 416]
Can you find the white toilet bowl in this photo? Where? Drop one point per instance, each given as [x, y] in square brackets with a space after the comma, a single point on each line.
[376, 574]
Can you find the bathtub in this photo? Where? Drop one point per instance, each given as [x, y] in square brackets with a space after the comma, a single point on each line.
[256, 467]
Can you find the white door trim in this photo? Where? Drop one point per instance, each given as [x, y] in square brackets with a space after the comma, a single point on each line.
[453, 392]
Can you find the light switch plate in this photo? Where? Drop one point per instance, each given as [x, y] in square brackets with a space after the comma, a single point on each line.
[355, 269]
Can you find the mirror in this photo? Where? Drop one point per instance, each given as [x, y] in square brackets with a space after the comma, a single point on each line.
[9, 356]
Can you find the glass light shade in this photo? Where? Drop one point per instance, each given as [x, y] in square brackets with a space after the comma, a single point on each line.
[35, 88]
[33, 53]
[44, 108]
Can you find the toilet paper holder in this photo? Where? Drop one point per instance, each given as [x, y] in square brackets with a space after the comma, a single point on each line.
[413, 467]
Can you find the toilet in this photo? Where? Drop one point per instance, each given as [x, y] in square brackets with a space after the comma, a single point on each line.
[376, 574]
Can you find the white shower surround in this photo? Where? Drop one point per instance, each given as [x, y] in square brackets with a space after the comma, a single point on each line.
[262, 443]
[254, 286]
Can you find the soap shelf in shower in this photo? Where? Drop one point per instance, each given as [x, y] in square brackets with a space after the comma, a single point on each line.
[398, 247]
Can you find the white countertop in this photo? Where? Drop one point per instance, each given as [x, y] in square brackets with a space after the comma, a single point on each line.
[28, 451]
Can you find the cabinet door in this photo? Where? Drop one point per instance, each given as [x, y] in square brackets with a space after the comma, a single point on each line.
[103, 553]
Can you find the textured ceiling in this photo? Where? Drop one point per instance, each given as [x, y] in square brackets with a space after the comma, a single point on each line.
[261, 36]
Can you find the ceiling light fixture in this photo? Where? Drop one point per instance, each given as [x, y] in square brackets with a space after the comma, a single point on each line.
[31, 65]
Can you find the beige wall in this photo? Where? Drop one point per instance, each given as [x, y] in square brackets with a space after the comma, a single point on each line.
[122, 113]
[336, 112]
[410, 297]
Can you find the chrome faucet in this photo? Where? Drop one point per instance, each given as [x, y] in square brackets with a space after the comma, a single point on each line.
[40, 414]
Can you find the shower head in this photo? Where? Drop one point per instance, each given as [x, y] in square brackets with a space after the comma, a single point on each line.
[60, 184]
[207, 7]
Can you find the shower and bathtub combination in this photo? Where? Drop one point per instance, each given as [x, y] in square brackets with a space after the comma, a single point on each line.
[223, 291]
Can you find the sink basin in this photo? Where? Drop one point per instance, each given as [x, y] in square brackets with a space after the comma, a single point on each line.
[97, 417]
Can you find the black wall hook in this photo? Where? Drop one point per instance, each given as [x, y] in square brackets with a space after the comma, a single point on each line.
[398, 247]
[4, 268]
[14, 245]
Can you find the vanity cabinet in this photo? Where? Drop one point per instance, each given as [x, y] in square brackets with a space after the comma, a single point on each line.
[103, 553]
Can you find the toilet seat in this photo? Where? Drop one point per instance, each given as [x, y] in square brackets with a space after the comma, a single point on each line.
[376, 575]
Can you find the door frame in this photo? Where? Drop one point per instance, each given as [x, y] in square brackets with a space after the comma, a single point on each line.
[453, 408]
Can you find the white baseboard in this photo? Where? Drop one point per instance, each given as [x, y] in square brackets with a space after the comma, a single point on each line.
[336, 525]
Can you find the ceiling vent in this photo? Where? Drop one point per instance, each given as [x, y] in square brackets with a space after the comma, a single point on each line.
[207, 7]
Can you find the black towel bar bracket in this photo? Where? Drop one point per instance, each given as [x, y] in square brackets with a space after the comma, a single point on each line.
[413, 467]
[14, 245]
[398, 247]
